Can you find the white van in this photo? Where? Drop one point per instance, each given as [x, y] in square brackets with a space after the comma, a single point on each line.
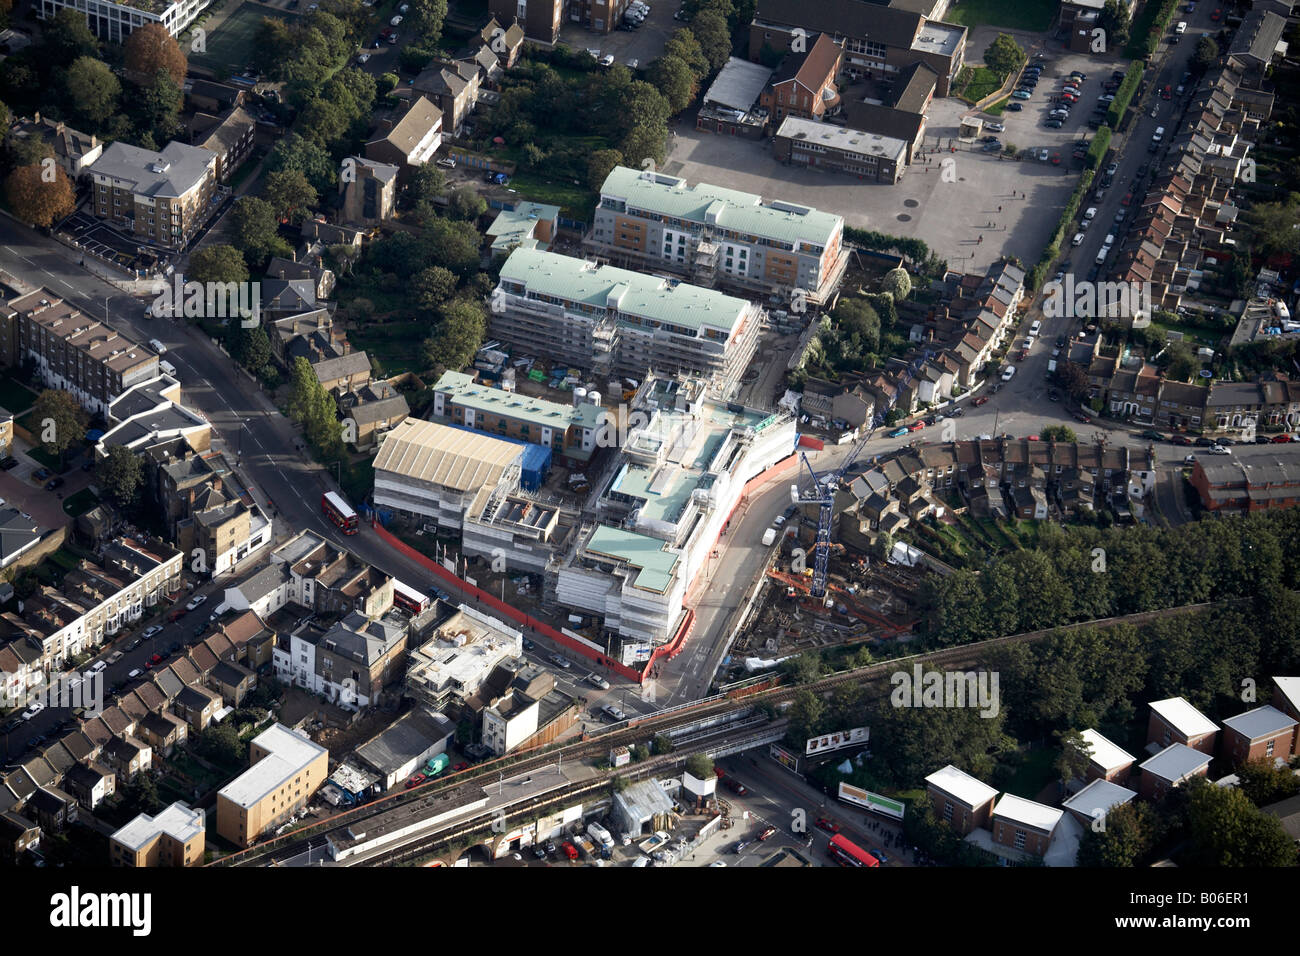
[769, 536]
[157, 346]
[167, 368]
[1033, 329]
[1181, 28]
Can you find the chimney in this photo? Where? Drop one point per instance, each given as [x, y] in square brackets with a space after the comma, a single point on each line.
[281, 273]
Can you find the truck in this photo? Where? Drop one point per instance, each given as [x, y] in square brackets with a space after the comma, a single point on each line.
[585, 845]
[436, 765]
[600, 835]
[769, 536]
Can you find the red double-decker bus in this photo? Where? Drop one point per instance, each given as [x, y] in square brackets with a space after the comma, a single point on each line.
[339, 511]
[847, 853]
[409, 598]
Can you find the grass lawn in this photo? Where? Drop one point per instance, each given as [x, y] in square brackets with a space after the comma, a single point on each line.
[997, 108]
[981, 83]
[80, 503]
[1032, 15]
[1193, 333]
[15, 396]
[229, 47]
[577, 202]
[393, 346]
[38, 454]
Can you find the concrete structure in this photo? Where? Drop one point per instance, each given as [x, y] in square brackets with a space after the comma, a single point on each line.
[175, 837]
[640, 806]
[713, 234]
[525, 225]
[286, 770]
[162, 197]
[399, 750]
[960, 800]
[115, 21]
[616, 321]
[1286, 698]
[457, 658]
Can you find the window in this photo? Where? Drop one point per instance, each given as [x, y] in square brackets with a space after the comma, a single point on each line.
[947, 810]
[1020, 839]
[1268, 750]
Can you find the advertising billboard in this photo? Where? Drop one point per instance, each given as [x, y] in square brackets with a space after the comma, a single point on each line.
[871, 801]
[837, 741]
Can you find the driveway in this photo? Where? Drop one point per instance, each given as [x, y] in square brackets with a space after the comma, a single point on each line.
[643, 44]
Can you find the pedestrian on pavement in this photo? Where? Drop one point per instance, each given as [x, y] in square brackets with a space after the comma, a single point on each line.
[999, 208]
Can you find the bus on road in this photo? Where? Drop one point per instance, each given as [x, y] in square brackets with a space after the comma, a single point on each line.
[339, 511]
[847, 853]
[409, 599]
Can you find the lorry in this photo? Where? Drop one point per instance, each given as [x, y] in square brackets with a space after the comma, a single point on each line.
[769, 536]
[600, 835]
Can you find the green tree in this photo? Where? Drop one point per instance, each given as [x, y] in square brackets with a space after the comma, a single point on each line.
[661, 744]
[65, 38]
[600, 164]
[309, 158]
[640, 752]
[1059, 433]
[897, 284]
[805, 668]
[684, 46]
[1123, 838]
[674, 79]
[290, 194]
[59, 421]
[253, 228]
[221, 744]
[1115, 20]
[1179, 361]
[93, 90]
[457, 337]
[219, 263]
[714, 37]
[426, 184]
[140, 795]
[119, 474]
[699, 766]
[805, 714]
[1072, 762]
[1004, 55]
[1226, 829]
[453, 245]
[432, 287]
[466, 203]
[1272, 226]
[1204, 56]
[427, 17]
[1263, 783]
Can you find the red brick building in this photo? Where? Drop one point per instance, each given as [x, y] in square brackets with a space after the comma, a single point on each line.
[960, 800]
[1264, 733]
[1286, 698]
[1024, 825]
[1170, 768]
[804, 84]
[1106, 761]
[1174, 721]
[1097, 799]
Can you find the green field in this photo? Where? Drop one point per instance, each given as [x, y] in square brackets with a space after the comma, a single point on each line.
[230, 47]
[394, 347]
[979, 83]
[1032, 15]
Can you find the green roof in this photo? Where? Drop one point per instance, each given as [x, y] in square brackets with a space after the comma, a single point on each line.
[640, 551]
[653, 299]
[466, 392]
[515, 226]
[665, 497]
[726, 208]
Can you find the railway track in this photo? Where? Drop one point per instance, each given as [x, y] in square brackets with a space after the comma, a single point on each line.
[637, 731]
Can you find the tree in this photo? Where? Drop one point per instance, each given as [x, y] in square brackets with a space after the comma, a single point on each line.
[426, 18]
[897, 283]
[1074, 379]
[119, 474]
[59, 419]
[140, 795]
[297, 152]
[221, 744]
[699, 766]
[220, 263]
[157, 107]
[674, 79]
[1263, 783]
[805, 668]
[1004, 55]
[1115, 20]
[1204, 56]
[25, 151]
[1122, 838]
[457, 337]
[1272, 226]
[1180, 361]
[661, 744]
[686, 48]
[600, 164]
[253, 228]
[805, 715]
[454, 245]
[151, 48]
[40, 195]
[65, 38]
[426, 184]
[466, 203]
[1061, 433]
[93, 89]
[1072, 761]
[858, 325]
[432, 287]
[290, 194]
[711, 32]
[254, 348]
[1226, 829]
[640, 752]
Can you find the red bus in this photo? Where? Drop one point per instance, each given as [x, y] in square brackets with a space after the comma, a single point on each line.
[409, 599]
[847, 853]
[339, 511]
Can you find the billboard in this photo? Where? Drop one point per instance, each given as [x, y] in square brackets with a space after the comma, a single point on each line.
[871, 801]
[837, 741]
[784, 757]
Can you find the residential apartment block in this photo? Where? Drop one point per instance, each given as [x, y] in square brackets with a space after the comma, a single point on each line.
[161, 197]
[371, 196]
[285, 770]
[1264, 733]
[230, 137]
[1175, 721]
[174, 837]
[1254, 478]
[72, 351]
[716, 235]
[115, 21]
[412, 140]
[614, 321]
[1024, 825]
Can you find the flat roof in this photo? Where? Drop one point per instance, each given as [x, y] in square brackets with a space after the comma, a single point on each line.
[1289, 687]
[725, 208]
[842, 138]
[1099, 798]
[1105, 754]
[451, 457]
[963, 786]
[1028, 812]
[641, 301]
[290, 753]
[1261, 722]
[738, 84]
[177, 821]
[516, 226]
[640, 551]
[1183, 717]
[463, 390]
[1175, 762]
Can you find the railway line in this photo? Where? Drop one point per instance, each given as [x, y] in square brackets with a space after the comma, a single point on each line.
[760, 690]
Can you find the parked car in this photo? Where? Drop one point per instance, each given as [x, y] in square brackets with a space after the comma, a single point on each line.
[559, 661]
[396, 21]
[1152, 435]
[1282, 439]
[1013, 108]
[53, 483]
[1180, 440]
[1021, 95]
[134, 674]
[416, 780]
[1055, 123]
[1008, 373]
[980, 401]
[40, 474]
[916, 426]
[995, 127]
[8, 462]
[459, 767]
[897, 433]
[196, 601]
[151, 631]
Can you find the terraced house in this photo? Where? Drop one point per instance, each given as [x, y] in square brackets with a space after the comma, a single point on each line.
[72, 351]
[718, 236]
[161, 197]
[612, 320]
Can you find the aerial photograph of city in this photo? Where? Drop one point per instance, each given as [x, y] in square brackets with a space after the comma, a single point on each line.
[587, 434]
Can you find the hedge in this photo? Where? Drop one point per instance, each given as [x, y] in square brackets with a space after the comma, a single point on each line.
[914, 249]
[1125, 94]
[1039, 271]
[1097, 149]
[1155, 21]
